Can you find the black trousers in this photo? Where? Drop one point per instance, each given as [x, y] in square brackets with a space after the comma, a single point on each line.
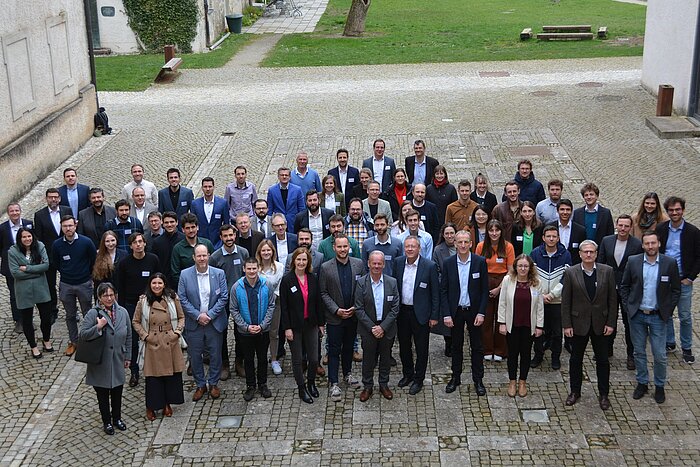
[305, 339]
[602, 365]
[45, 326]
[340, 338]
[103, 397]
[460, 318]
[519, 346]
[552, 332]
[51, 280]
[629, 346]
[131, 309]
[255, 346]
[410, 332]
[16, 312]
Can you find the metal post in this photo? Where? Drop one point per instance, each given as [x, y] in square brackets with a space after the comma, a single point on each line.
[664, 105]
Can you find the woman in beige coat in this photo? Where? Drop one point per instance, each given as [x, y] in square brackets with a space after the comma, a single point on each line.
[159, 322]
[520, 316]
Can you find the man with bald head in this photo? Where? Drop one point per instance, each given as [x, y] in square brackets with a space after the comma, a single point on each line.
[427, 212]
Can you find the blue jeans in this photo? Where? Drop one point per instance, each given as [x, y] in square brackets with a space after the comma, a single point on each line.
[685, 316]
[654, 327]
[205, 338]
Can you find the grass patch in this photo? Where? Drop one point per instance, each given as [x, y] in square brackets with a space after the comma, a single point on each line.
[417, 31]
[136, 72]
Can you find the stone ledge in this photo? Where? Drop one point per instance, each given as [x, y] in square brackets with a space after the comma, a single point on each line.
[673, 127]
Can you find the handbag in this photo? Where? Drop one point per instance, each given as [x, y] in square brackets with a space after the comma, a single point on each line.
[90, 351]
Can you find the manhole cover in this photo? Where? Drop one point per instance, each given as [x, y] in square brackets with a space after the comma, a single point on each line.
[608, 98]
[493, 74]
[590, 84]
[543, 93]
[233, 421]
[535, 416]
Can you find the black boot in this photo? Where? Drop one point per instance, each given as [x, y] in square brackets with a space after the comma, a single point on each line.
[311, 388]
[304, 395]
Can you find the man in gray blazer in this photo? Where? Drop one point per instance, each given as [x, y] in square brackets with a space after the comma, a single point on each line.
[376, 204]
[337, 282]
[650, 290]
[377, 306]
[92, 220]
[589, 312]
[203, 294]
[139, 205]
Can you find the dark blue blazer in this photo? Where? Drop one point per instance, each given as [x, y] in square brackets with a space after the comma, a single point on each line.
[185, 196]
[6, 241]
[478, 286]
[219, 217]
[388, 177]
[352, 180]
[83, 197]
[426, 289]
[302, 220]
[295, 203]
[44, 231]
[291, 243]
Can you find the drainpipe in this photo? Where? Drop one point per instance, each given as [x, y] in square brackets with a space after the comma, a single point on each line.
[207, 34]
[91, 52]
[693, 109]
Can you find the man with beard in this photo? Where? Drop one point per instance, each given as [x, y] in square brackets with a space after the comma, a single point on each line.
[427, 211]
[262, 222]
[547, 208]
[508, 212]
[382, 241]
[92, 220]
[183, 252]
[315, 218]
[304, 240]
[123, 225]
[346, 176]
[337, 226]
[163, 245]
[358, 224]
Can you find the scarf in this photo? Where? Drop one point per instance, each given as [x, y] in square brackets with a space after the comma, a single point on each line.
[439, 184]
[647, 220]
[146, 313]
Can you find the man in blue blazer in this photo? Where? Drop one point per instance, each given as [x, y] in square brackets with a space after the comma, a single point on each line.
[382, 167]
[419, 291]
[175, 197]
[8, 235]
[212, 212]
[73, 194]
[285, 198]
[204, 323]
[346, 176]
[460, 307]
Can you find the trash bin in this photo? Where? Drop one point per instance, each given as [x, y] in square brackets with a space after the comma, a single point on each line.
[235, 23]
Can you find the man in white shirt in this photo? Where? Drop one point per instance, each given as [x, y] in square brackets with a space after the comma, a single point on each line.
[140, 206]
[138, 180]
[426, 241]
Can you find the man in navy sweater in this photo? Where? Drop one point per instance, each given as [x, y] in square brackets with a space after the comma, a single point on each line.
[74, 257]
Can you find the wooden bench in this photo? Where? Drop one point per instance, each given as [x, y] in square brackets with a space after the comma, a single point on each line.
[564, 36]
[168, 69]
[602, 32]
[568, 28]
[526, 34]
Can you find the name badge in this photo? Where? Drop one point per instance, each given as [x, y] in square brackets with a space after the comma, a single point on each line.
[236, 261]
[350, 252]
[423, 285]
[594, 226]
[500, 260]
[476, 275]
[351, 179]
[183, 203]
[217, 216]
[328, 228]
[403, 198]
[519, 238]
[574, 245]
[293, 289]
[357, 277]
[145, 273]
[422, 218]
[389, 298]
[386, 167]
[66, 258]
[29, 226]
[664, 278]
[387, 257]
[217, 291]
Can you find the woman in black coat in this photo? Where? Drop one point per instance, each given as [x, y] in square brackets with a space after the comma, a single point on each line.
[301, 319]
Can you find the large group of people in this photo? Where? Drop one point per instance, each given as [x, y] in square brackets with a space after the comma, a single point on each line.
[362, 257]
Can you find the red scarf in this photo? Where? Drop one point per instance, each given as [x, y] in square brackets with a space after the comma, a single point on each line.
[440, 184]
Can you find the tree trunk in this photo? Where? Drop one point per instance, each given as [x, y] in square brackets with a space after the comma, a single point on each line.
[355, 24]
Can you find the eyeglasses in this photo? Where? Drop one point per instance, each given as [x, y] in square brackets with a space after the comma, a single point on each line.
[278, 225]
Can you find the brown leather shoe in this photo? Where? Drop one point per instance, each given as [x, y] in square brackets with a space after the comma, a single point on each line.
[214, 392]
[168, 411]
[386, 392]
[240, 370]
[572, 399]
[70, 350]
[150, 415]
[365, 394]
[604, 402]
[320, 371]
[199, 393]
[225, 371]
[522, 388]
[511, 388]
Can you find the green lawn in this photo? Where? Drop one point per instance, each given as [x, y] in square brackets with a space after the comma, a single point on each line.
[136, 72]
[415, 31]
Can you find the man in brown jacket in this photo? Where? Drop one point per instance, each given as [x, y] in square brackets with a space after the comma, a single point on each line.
[589, 311]
[460, 211]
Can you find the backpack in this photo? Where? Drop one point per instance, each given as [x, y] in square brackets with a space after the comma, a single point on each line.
[102, 122]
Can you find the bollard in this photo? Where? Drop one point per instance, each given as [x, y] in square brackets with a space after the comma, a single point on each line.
[664, 105]
[169, 52]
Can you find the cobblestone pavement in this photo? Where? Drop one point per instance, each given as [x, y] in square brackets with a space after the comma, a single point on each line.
[576, 119]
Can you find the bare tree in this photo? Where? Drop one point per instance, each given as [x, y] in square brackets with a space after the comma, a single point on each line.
[355, 24]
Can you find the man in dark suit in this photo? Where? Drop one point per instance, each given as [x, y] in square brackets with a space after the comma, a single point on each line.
[92, 220]
[337, 282]
[163, 245]
[346, 176]
[73, 194]
[382, 167]
[314, 218]
[596, 219]
[285, 198]
[419, 289]
[285, 243]
[8, 235]
[47, 227]
[262, 222]
[376, 307]
[571, 234]
[589, 312]
[175, 197]
[246, 236]
[464, 291]
[650, 290]
[614, 251]
[427, 211]
[211, 211]
[419, 167]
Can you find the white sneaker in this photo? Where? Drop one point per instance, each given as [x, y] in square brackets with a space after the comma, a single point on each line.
[335, 393]
[497, 358]
[276, 367]
[353, 382]
[488, 358]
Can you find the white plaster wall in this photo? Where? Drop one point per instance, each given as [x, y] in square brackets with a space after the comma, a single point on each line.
[217, 24]
[115, 32]
[669, 43]
[29, 17]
